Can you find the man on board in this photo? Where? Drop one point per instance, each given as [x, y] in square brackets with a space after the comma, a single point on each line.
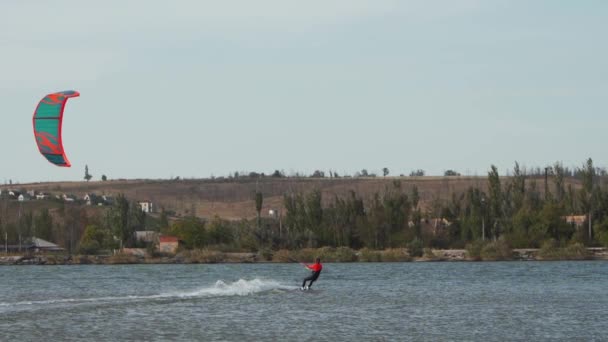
[316, 270]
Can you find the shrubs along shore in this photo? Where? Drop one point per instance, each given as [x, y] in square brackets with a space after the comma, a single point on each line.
[492, 251]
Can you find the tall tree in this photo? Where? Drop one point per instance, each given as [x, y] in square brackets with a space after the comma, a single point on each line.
[586, 193]
[87, 175]
[43, 224]
[496, 200]
[259, 201]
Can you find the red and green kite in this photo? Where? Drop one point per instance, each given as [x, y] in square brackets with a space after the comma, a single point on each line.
[47, 121]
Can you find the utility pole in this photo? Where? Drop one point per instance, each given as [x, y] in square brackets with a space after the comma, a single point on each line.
[483, 219]
[19, 225]
[546, 182]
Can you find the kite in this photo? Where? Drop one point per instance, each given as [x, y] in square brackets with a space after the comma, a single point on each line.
[47, 121]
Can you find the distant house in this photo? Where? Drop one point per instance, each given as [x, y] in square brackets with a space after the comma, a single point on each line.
[42, 196]
[14, 194]
[108, 200]
[168, 244]
[32, 193]
[35, 245]
[40, 245]
[147, 236]
[92, 199]
[24, 197]
[575, 220]
[69, 198]
[146, 206]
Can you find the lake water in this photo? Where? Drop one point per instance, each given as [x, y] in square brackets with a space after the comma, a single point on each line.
[523, 301]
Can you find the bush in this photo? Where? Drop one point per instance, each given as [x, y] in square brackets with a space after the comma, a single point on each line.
[345, 254]
[305, 255]
[474, 250]
[428, 254]
[265, 254]
[415, 248]
[496, 250]
[577, 251]
[283, 255]
[122, 259]
[395, 255]
[550, 251]
[89, 247]
[202, 256]
[368, 255]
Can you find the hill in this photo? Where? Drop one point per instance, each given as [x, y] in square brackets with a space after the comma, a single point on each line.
[233, 198]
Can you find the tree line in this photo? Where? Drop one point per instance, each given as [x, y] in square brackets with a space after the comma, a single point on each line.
[524, 210]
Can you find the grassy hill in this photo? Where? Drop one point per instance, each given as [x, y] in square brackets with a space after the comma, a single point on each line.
[233, 198]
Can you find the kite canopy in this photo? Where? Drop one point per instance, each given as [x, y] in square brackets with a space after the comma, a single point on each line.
[47, 121]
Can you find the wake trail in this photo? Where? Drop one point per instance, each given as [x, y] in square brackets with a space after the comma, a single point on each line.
[240, 287]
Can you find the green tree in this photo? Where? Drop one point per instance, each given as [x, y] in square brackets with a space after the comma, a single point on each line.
[43, 223]
[586, 194]
[87, 175]
[259, 201]
[219, 232]
[385, 171]
[94, 239]
[495, 200]
[163, 220]
[191, 230]
[120, 222]
[104, 178]
[450, 173]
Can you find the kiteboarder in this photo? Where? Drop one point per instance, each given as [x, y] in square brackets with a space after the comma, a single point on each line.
[316, 270]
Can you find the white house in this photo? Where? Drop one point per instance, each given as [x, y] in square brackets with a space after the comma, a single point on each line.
[92, 199]
[24, 197]
[148, 236]
[146, 207]
[69, 198]
[42, 196]
[108, 200]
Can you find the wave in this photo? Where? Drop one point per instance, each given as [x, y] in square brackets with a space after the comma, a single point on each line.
[240, 287]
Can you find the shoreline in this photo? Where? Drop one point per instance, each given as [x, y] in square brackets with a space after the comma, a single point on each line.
[214, 257]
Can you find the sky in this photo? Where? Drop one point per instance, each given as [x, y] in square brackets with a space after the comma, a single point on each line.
[196, 88]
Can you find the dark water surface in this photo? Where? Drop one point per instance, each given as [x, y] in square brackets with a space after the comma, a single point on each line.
[523, 301]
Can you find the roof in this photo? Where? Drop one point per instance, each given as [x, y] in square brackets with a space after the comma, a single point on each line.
[37, 243]
[168, 239]
[577, 219]
[40, 243]
[145, 235]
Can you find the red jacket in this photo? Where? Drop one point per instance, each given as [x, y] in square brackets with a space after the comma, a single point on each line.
[315, 267]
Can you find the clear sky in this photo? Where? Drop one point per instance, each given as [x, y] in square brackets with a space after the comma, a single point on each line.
[199, 88]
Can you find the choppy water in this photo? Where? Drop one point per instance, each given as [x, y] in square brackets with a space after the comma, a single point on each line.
[525, 301]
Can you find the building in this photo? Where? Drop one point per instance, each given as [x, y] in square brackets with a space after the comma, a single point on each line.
[35, 245]
[92, 199]
[42, 196]
[147, 236]
[108, 200]
[168, 244]
[576, 220]
[24, 197]
[146, 206]
[69, 198]
[40, 245]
